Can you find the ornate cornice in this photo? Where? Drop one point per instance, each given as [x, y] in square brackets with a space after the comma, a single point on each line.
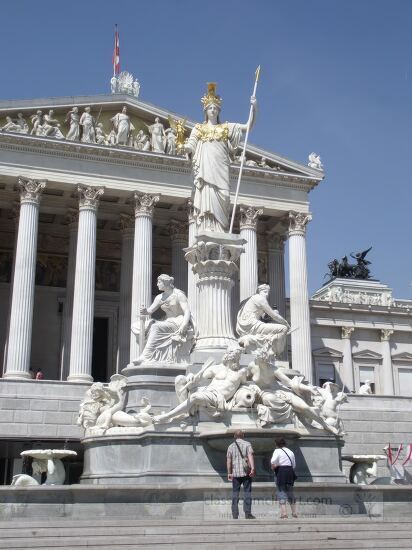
[144, 204]
[347, 332]
[83, 151]
[249, 217]
[298, 222]
[386, 334]
[30, 190]
[178, 230]
[89, 197]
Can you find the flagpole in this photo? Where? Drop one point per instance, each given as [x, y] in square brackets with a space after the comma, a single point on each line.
[242, 160]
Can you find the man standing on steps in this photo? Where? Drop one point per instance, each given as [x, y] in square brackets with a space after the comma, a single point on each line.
[240, 470]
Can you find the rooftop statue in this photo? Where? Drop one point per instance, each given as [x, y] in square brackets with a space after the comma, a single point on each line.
[125, 83]
[346, 270]
[315, 162]
[51, 126]
[122, 126]
[157, 136]
[88, 123]
[211, 146]
[73, 118]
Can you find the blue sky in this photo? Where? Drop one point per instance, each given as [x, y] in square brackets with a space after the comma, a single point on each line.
[336, 79]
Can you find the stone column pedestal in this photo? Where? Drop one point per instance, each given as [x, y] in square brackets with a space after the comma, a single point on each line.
[348, 378]
[387, 372]
[84, 283]
[299, 297]
[249, 260]
[214, 256]
[21, 313]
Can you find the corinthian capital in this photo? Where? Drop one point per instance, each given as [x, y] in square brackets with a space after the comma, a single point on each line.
[249, 216]
[30, 190]
[347, 332]
[178, 230]
[298, 222]
[89, 196]
[144, 204]
[386, 334]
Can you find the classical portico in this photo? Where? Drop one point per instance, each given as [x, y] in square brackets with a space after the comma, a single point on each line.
[110, 220]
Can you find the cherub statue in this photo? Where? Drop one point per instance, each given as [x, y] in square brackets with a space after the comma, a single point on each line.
[331, 399]
[365, 388]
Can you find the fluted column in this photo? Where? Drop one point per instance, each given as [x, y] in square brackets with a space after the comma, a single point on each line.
[348, 378]
[299, 297]
[179, 238]
[16, 213]
[126, 278]
[84, 282]
[387, 372]
[21, 314]
[249, 260]
[192, 278]
[142, 261]
[72, 218]
[276, 271]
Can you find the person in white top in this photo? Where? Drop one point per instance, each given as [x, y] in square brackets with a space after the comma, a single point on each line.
[283, 463]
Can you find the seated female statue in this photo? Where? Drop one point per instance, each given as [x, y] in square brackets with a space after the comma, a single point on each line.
[169, 340]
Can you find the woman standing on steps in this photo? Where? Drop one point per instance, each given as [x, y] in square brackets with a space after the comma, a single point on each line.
[283, 463]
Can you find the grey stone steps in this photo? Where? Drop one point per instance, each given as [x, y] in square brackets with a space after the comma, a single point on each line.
[393, 537]
[290, 526]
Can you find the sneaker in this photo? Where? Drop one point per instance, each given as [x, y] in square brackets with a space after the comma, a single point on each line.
[235, 517]
[250, 516]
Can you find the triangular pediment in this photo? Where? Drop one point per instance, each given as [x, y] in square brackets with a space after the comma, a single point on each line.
[405, 356]
[327, 352]
[366, 354]
[104, 107]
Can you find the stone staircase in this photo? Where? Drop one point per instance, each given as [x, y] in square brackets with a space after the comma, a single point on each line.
[128, 534]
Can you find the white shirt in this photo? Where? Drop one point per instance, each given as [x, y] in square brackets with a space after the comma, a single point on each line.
[279, 458]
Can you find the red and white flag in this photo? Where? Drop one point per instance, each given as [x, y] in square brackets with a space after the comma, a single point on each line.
[116, 53]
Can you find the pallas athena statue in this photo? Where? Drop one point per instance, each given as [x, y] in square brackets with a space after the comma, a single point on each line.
[211, 146]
